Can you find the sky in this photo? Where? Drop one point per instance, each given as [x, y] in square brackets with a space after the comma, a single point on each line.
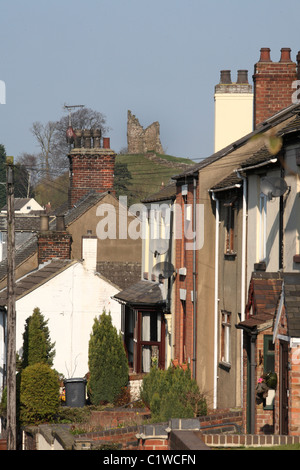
[161, 59]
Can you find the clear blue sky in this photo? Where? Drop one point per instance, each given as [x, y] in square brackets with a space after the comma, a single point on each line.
[161, 59]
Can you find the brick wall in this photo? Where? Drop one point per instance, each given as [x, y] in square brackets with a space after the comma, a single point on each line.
[91, 166]
[183, 347]
[53, 245]
[272, 84]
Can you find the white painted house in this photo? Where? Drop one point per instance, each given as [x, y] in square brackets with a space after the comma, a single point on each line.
[70, 294]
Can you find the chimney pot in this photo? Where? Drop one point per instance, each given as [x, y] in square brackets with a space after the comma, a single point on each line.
[78, 134]
[106, 142]
[225, 76]
[87, 138]
[96, 133]
[242, 76]
[60, 223]
[285, 55]
[44, 222]
[265, 54]
[298, 65]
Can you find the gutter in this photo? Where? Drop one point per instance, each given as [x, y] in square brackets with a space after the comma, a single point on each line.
[216, 302]
[194, 278]
[243, 271]
[252, 167]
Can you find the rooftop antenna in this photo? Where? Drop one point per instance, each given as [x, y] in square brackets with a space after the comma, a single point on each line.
[70, 134]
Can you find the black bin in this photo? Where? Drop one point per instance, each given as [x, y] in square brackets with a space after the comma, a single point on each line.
[75, 392]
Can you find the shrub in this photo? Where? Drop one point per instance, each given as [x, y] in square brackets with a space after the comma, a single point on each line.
[37, 346]
[108, 366]
[39, 394]
[172, 393]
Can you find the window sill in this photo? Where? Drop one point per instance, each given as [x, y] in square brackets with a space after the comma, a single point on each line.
[231, 255]
[225, 365]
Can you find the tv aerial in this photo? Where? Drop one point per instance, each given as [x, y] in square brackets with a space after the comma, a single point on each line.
[273, 186]
[163, 269]
[70, 134]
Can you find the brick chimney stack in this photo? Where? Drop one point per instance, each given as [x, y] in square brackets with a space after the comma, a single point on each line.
[53, 244]
[272, 84]
[91, 166]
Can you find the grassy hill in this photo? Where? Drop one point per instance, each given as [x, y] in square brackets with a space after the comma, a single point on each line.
[136, 176]
[146, 173]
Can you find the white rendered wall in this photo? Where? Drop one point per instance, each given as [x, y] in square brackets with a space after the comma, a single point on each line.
[233, 117]
[70, 301]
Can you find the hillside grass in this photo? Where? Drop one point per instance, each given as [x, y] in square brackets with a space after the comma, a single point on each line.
[147, 176]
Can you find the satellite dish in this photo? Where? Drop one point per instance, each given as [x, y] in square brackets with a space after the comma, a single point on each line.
[158, 246]
[273, 186]
[164, 269]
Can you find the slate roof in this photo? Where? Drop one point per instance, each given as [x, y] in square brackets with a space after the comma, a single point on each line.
[142, 293]
[122, 274]
[261, 156]
[19, 203]
[23, 223]
[165, 193]
[22, 253]
[35, 279]
[84, 204]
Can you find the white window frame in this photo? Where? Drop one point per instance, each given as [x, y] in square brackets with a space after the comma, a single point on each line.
[262, 227]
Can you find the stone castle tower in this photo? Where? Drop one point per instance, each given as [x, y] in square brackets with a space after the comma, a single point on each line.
[141, 140]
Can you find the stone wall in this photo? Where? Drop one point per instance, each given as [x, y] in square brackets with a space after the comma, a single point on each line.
[140, 140]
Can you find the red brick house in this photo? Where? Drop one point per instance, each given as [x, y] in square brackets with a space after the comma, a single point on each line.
[272, 344]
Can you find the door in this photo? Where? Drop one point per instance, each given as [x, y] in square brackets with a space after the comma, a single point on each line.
[150, 340]
[283, 389]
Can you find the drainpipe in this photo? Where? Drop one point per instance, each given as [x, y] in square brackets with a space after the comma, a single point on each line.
[194, 278]
[216, 301]
[253, 384]
[243, 271]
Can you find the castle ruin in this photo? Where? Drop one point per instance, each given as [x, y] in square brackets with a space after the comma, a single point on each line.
[140, 140]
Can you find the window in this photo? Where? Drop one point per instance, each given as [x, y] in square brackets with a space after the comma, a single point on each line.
[269, 366]
[150, 339]
[262, 226]
[225, 336]
[229, 226]
[269, 354]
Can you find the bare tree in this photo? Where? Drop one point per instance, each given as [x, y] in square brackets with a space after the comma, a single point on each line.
[45, 136]
[52, 141]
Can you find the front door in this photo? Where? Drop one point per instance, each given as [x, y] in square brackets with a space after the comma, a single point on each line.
[284, 388]
[149, 338]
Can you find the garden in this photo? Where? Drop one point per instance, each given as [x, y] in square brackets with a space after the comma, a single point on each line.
[166, 394]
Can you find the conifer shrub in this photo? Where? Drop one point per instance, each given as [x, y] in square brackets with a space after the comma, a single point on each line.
[108, 365]
[39, 394]
[172, 393]
[37, 346]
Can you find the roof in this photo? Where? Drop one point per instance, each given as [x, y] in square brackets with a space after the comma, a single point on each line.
[262, 156]
[23, 223]
[264, 294]
[292, 302]
[288, 115]
[263, 297]
[121, 273]
[165, 193]
[26, 250]
[142, 293]
[19, 203]
[83, 205]
[35, 279]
